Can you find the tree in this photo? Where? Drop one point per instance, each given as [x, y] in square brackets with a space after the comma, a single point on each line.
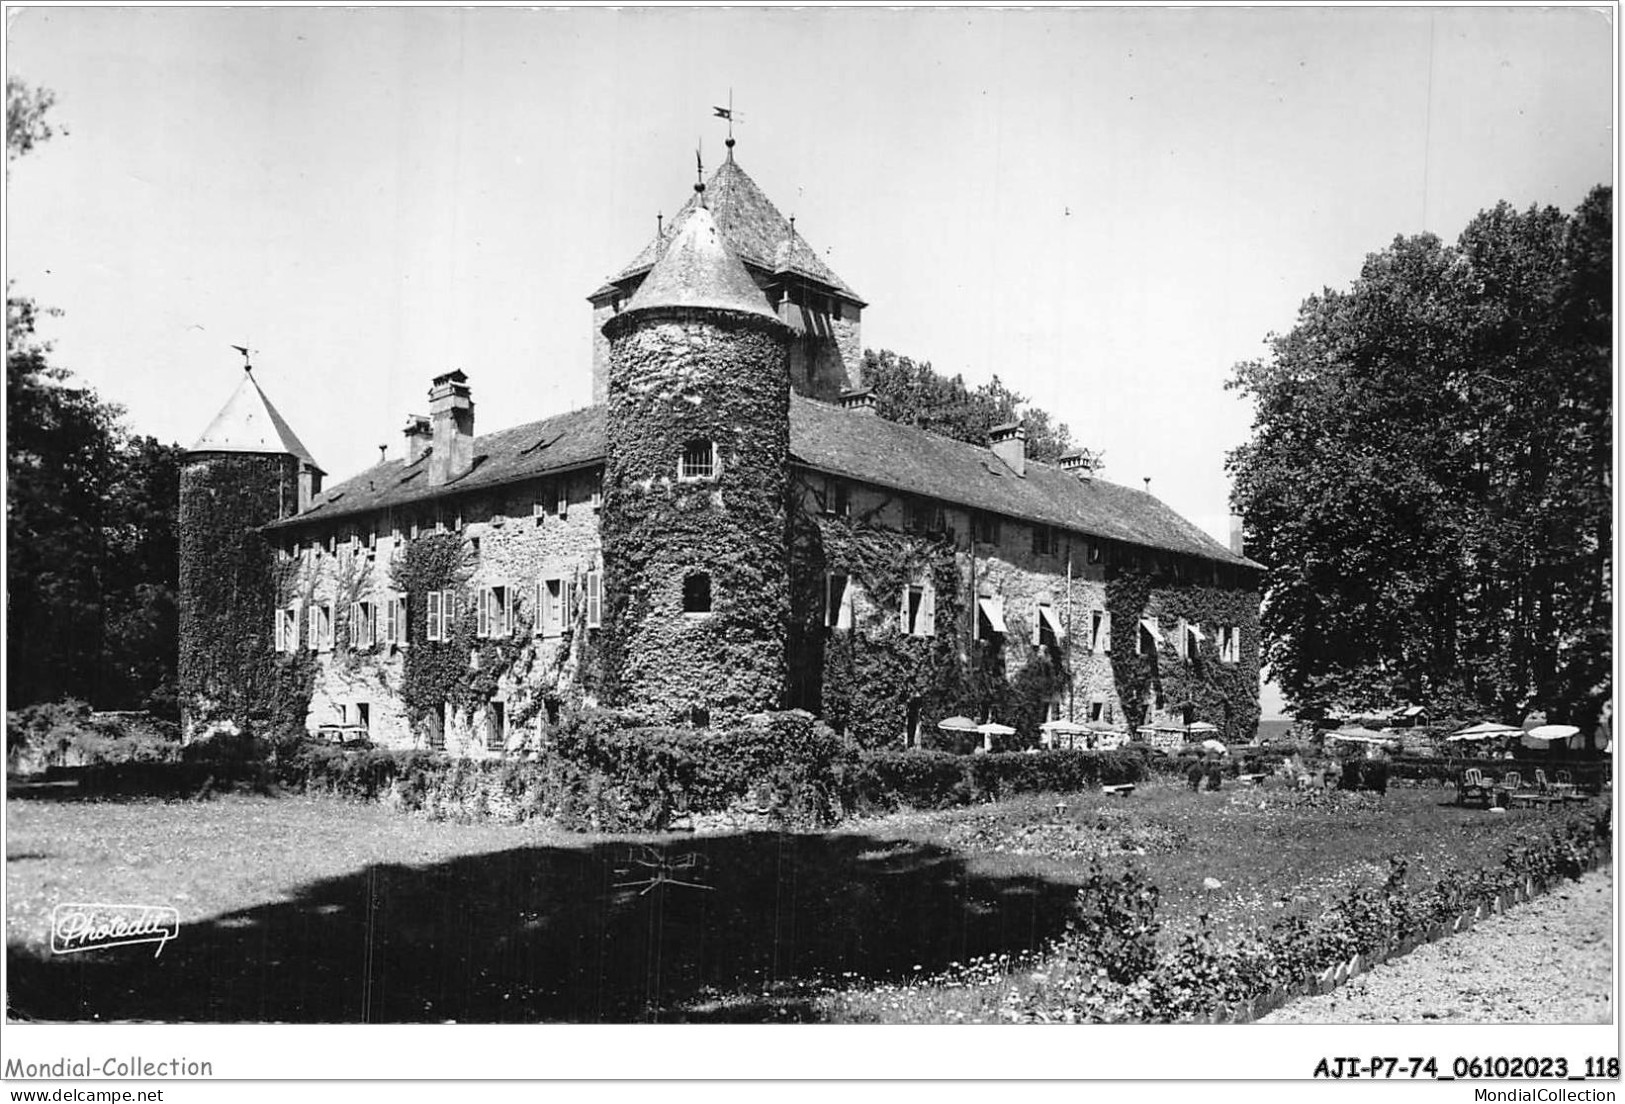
[913, 393]
[90, 517]
[61, 452]
[1428, 480]
[26, 125]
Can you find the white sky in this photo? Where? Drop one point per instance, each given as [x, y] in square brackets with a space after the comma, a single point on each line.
[1106, 207]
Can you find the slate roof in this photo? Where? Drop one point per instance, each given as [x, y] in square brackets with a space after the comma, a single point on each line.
[249, 423]
[916, 461]
[753, 228]
[699, 270]
[555, 444]
[825, 438]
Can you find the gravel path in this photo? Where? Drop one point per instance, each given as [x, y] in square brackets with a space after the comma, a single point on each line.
[1548, 961]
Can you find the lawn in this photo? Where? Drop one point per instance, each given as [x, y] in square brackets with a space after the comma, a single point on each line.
[319, 910]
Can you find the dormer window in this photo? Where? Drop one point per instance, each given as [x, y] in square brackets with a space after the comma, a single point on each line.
[699, 461]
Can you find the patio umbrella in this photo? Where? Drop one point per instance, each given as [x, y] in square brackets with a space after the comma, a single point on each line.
[1214, 745]
[1547, 735]
[1052, 730]
[1201, 726]
[1482, 731]
[957, 724]
[1063, 726]
[993, 728]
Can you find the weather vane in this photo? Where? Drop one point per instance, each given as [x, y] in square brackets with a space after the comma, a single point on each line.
[729, 114]
[247, 366]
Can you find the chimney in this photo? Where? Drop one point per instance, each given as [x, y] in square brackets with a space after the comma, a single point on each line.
[417, 437]
[1237, 543]
[310, 484]
[1076, 464]
[861, 400]
[451, 423]
[1009, 443]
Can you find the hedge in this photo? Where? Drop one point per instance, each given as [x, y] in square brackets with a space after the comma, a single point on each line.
[938, 780]
[601, 773]
[1109, 967]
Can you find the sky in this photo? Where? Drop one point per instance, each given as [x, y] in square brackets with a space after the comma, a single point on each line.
[1108, 208]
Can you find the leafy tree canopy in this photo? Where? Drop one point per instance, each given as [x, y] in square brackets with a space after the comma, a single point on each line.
[913, 393]
[26, 125]
[91, 560]
[1429, 475]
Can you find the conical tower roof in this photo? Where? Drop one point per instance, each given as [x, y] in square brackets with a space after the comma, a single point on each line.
[249, 423]
[699, 270]
[751, 225]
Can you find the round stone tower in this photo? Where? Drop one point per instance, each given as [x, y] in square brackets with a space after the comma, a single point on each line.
[696, 490]
[248, 469]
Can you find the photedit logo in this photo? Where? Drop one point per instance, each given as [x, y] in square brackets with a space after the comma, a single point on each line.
[89, 927]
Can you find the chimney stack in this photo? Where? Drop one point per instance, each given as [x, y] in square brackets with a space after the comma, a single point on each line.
[861, 400]
[451, 421]
[1009, 443]
[1075, 463]
[310, 484]
[1237, 543]
[417, 437]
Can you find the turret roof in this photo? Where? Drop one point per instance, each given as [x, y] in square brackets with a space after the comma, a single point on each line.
[249, 423]
[752, 227]
[699, 270]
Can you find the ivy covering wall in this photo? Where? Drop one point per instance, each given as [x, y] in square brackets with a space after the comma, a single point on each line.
[1222, 694]
[462, 670]
[869, 679]
[679, 376]
[230, 588]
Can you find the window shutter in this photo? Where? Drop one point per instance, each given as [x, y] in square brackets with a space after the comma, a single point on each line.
[482, 623]
[389, 620]
[507, 611]
[595, 599]
[277, 632]
[1106, 632]
[843, 615]
[564, 499]
[567, 600]
[928, 610]
[315, 627]
[538, 614]
[1038, 624]
[433, 622]
[448, 614]
[902, 613]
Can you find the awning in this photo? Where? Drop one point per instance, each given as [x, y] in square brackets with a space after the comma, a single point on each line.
[1048, 615]
[993, 610]
[1149, 624]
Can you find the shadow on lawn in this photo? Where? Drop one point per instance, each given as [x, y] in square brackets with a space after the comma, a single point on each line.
[545, 933]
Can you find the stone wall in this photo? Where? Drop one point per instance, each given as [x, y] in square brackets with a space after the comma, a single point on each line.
[228, 674]
[826, 353]
[505, 545]
[892, 687]
[680, 376]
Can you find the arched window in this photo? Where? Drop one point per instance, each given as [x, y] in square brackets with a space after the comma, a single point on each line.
[697, 593]
[699, 461]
